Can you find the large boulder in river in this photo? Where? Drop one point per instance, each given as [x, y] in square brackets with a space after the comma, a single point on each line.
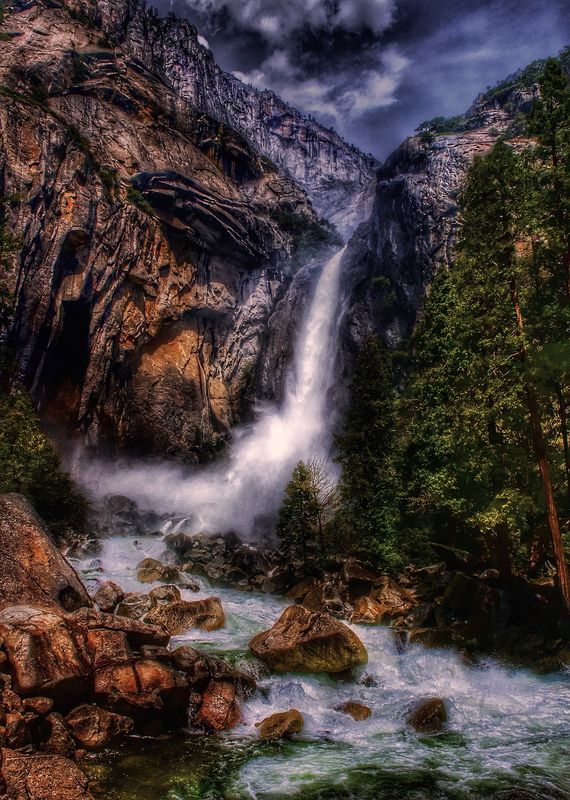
[41, 777]
[181, 615]
[32, 570]
[220, 709]
[304, 641]
[280, 725]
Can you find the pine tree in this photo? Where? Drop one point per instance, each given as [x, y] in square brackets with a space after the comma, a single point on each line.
[368, 486]
[298, 515]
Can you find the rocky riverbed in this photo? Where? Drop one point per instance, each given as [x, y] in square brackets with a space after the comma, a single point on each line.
[140, 675]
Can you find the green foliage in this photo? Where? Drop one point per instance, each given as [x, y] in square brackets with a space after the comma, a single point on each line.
[29, 465]
[368, 485]
[527, 77]
[137, 198]
[440, 125]
[299, 513]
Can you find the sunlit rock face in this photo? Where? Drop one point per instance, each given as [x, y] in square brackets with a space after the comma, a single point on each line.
[150, 258]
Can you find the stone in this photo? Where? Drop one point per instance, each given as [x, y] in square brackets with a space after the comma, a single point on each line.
[93, 727]
[38, 705]
[357, 711]
[278, 580]
[158, 653]
[150, 570]
[182, 615]
[519, 794]
[429, 716]
[32, 570]
[108, 596]
[46, 654]
[220, 709]
[41, 777]
[134, 605]
[163, 595]
[141, 685]
[108, 647]
[59, 741]
[302, 589]
[358, 577]
[394, 600]
[366, 611]
[280, 725]
[137, 632]
[304, 641]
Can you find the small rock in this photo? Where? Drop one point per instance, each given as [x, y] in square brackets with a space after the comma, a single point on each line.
[182, 615]
[108, 596]
[134, 605]
[220, 709]
[163, 595]
[156, 652]
[429, 716]
[366, 611]
[280, 725]
[357, 711]
[150, 570]
[38, 705]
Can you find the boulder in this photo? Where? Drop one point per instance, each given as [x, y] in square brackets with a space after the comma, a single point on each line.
[357, 711]
[394, 600]
[41, 777]
[93, 727]
[366, 611]
[108, 596]
[280, 725]
[46, 653]
[134, 605]
[137, 632]
[220, 709]
[182, 615]
[38, 705]
[59, 741]
[163, 595]
[32, 570]
[358, 577]
[158, 653]
[302, 589]
[278, 580]
[200, 669]
[429, 716]
[150, 570]
[304, 641]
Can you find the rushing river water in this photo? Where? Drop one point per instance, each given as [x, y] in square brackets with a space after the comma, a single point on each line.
[507, 728]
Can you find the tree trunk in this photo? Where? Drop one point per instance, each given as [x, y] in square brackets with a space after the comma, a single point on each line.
[539, 446]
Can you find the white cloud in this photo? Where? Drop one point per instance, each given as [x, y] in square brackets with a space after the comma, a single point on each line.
[203, 41]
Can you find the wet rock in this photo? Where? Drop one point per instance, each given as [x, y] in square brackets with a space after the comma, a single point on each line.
[141, 685]
[59, 741]
[278, 580]
[301, 641]
[325, 597]
[93, 727]
[220, 709]
[394, 600]
[108, 596]
[358, 577]
[302, 589]
[41, 777]
[280, 725]
[190, 661]
[150, 570]
[46, 654]
[519, 794]
[182, 615]
[38, 705]
[137, 632]
[429, 716]
[108, 647]
[357, 711]
[158, 653]
[32, 570]
[366, 611]
[134, 605]
[163, 595]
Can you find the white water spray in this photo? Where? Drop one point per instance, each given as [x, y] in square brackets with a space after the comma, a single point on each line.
[249, 486]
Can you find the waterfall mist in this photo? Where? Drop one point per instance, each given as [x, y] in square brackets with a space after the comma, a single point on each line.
[244, 492]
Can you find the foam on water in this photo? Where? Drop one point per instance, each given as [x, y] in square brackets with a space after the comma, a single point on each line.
[507, 727]
[250, 483]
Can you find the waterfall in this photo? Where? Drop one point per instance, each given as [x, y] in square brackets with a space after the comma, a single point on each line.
[247, 488]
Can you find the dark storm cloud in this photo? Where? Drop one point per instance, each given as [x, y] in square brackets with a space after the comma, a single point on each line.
[374, 69]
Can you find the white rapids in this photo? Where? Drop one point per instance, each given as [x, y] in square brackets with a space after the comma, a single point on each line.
[507, 728]
[249, 485]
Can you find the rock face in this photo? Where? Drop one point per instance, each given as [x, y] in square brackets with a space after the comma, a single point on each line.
[301, 641]
[32, 570]
[153, 248]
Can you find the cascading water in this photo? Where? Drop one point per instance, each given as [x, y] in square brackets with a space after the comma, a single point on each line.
[249, 486]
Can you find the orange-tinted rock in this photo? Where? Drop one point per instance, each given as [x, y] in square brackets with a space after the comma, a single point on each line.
[280, 725]
[429, 716]
[108, 596]
[138, 633]
[220, 709]
[357, 711]
[41, 777]
[394, 600]
[366, 611]
[93, 727]
[38, 705]
[108, 647]
[301, 641]
[59, 741]
[32, 570]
